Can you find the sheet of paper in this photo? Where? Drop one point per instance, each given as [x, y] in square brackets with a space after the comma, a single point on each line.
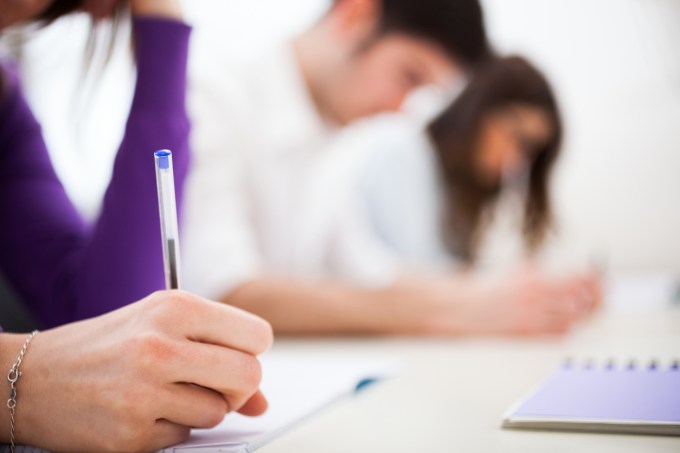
[642, 292]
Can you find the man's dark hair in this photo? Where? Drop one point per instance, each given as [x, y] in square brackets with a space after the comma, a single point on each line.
[455, 25]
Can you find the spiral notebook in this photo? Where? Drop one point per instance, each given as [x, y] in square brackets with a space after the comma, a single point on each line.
[604, 398]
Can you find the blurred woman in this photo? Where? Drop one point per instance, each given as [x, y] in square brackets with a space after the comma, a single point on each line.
[503, 131]
[137, 376]
[57, 263]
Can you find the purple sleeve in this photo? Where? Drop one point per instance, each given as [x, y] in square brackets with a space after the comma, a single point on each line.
[63, 269]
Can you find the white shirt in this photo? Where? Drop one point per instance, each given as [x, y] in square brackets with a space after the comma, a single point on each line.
[400, 189]
[390, 200]
[257, 141]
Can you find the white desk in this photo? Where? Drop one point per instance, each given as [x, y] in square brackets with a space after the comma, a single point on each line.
[452, 392]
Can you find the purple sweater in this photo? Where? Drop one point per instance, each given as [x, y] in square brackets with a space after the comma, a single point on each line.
[64, 269]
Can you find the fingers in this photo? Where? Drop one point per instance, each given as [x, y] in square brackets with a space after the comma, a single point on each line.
[256, 405]
[220, 353]
[191, 405]
[585, 293]
[162, 8]
[544, 322]
[228, 326]
[549, 308]
[234, 374]
[166, 434]
[593, 284]
[566, 303]
[556, 323]
[210, 322]
[99, 9]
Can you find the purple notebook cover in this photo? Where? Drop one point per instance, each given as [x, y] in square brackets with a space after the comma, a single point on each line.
[606, 393]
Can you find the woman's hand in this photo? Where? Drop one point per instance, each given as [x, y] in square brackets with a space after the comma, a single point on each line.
[138, 378]
[101, 9]
[532, 304]
[527, 303]
[160, 8]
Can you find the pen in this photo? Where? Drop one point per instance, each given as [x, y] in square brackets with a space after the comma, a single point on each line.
[165, 183]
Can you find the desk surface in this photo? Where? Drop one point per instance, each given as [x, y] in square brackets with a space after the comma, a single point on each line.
[452, 393]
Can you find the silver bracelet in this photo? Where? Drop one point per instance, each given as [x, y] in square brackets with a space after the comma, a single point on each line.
[13, 376]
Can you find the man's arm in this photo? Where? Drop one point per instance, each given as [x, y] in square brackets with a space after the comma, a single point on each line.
[299, 307]
[460, 305]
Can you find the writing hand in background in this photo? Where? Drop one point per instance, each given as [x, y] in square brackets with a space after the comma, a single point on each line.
[532, 303]
[522, 303]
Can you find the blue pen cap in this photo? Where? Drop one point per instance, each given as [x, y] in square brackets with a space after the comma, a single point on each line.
[163, 158]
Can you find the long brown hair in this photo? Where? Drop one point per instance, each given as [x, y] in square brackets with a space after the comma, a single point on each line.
[499, 84]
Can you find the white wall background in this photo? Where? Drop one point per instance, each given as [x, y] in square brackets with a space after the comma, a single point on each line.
[615, 65]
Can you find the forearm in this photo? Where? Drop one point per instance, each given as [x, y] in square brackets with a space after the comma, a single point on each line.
[294, 307]
[453, 305]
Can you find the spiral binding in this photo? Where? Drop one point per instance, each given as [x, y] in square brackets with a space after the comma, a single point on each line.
[613, 364]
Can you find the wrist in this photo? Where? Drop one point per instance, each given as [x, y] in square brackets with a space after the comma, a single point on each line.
[10, 346]
[170, 9]
[454, 305]
[417, 306]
